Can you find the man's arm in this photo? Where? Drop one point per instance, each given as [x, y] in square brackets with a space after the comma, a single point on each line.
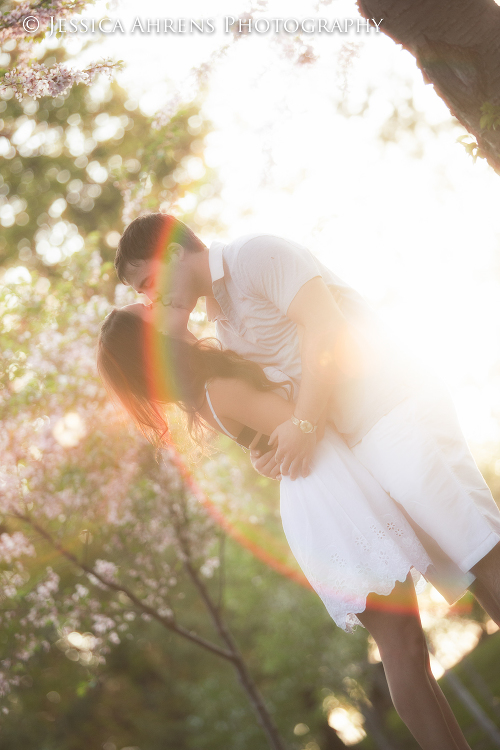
[265, 463]
[330, 354]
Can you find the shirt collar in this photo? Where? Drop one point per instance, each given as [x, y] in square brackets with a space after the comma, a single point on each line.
[215, 261]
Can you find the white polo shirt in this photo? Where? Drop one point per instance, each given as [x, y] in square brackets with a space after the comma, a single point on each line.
[255, 278]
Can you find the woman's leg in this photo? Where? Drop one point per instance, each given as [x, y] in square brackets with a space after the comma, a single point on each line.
[394, 623]
[486, 587]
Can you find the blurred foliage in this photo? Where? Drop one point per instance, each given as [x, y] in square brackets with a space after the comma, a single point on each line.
[471, 147]
[96, 495]
[157, 691]
[76, 167]
[407, 125]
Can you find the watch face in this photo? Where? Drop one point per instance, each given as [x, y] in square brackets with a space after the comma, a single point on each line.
[306, 426]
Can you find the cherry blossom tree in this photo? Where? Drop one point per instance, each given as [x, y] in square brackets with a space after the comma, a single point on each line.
[81, 490]
[27, 23]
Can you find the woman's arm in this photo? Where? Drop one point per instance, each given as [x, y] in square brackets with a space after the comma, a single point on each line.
[238, 400]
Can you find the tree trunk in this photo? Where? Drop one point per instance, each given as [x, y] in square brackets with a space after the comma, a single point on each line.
[456, 45]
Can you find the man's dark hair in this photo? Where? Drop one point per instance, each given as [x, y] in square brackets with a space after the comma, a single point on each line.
[147, 235]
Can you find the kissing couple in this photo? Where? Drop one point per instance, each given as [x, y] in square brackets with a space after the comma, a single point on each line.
[376, 477]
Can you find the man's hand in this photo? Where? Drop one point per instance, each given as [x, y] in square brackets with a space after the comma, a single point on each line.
[264, 463]
[294, 449]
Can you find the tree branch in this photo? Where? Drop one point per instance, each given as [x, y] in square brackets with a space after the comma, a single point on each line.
[167, 622]
[263, 716]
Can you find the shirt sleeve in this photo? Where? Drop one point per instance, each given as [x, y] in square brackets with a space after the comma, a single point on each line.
[275, 269]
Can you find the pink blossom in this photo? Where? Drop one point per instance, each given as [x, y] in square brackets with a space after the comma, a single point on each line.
[44, 590]
[5, 684]
[80, 592]
[102, 623]
[164, 115]
[11, 24]
[107, 483]
[106, 569]
[209, 566]
[14, 545]
[37, 80]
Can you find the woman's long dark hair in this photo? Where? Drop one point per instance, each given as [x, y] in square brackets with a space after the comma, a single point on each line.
[147, 370]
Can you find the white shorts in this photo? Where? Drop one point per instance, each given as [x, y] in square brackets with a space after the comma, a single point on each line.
[418, 454]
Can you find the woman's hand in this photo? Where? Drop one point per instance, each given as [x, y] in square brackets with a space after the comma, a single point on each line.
[294, 449]
[264, 463]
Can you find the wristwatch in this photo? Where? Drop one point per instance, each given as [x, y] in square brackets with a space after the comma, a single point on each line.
[303, 424]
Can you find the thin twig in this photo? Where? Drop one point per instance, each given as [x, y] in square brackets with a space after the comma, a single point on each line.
[263, 716]
[222, 570]
[167, 622]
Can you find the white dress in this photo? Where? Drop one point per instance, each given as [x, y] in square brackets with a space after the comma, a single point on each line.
[347, 533]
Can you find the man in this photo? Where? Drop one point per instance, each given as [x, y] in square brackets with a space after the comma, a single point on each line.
[276, 304]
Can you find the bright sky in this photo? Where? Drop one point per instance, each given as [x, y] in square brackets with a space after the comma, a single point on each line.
[414, 233]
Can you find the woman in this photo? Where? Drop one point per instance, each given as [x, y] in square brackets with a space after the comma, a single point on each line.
[352, 541]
